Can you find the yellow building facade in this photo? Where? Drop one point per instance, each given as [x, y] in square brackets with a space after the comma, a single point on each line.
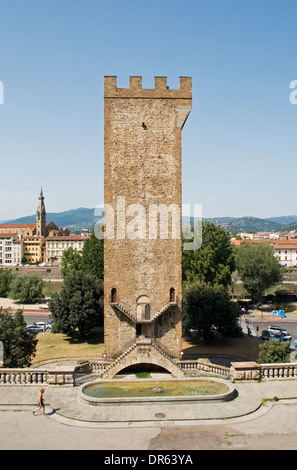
[34, 249]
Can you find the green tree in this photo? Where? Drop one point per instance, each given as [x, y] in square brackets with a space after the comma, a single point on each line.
[19, 347]
[26, 288]
[257, 267]
[89, 260]
[207, 306]
[272, 352]
[71, 260]
[214, 262]
[6, 278]
[79, 306]
[93, 257]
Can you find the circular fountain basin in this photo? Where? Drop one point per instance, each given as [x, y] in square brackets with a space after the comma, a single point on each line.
[152, 390]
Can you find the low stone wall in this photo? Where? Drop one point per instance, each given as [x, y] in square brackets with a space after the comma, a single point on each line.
[253, 371]
[204, 367]
[36, 377]
[239, 371]
[48, 273]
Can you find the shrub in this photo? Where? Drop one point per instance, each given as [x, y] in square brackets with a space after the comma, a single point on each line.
[272, 352]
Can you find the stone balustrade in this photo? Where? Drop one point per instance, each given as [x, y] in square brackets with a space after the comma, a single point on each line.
[239, 371]
[204, 367]
[99, 366]
[254, 371]
[36, 377]
[279, 371]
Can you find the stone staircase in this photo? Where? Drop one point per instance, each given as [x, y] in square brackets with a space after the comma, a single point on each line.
[117, 361]
[143, 350]
[162, 310]
[126, 311]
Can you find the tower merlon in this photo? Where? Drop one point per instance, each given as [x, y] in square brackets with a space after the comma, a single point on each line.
[135, 90]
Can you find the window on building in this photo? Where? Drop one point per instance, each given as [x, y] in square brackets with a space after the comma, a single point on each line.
[113, 295]
[138, 329]
[172, 295]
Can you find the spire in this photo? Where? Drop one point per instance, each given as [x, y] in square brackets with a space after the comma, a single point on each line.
[41, 216]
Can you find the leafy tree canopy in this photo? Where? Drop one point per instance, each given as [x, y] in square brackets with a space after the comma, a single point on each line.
[79, 306]
[19, 347]
[214, 262]
[93, 257]
[89, 260]
[257, 267]
[26, 288]
[207, 306]
[71, 260]
[5, 280]
[273, 352]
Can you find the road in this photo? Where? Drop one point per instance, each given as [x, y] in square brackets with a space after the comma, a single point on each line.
[257, 326]
[29, 319]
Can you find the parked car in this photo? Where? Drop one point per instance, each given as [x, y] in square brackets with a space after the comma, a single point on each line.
[277, 329]
[49, 325]
[33, 329]
[282, 337]
[293, 344]
[44, 326]
[266, 335]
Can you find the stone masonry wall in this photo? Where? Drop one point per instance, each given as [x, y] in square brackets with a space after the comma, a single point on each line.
[143, 167]
[47, 273]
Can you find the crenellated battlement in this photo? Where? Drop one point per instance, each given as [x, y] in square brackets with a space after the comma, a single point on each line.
[135, 90]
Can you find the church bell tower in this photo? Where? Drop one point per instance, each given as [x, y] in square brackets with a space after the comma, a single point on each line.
[41, 216]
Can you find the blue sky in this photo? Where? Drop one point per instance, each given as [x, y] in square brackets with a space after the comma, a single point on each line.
[239, 142]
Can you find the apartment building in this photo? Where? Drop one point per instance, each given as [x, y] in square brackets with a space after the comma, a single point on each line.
[11, 249]
[34, 249]
[286, 252]
[17, 251]
[55, 246]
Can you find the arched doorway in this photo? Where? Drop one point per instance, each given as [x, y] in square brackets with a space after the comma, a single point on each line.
[143, 308]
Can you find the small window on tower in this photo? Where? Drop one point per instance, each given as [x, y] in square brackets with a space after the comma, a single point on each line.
[172, 295]
[113, 297]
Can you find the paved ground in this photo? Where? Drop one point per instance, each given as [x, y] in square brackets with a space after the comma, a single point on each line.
[244, 423]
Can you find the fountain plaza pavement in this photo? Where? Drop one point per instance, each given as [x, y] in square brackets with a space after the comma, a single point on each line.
[253, 420]
[64, 405]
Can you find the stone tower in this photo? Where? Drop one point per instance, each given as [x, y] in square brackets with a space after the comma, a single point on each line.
[41, 216]
[143, 198]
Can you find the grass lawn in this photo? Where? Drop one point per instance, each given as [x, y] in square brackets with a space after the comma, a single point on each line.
[53, 346]
[246, 347]
[52, 286]
[61, 347]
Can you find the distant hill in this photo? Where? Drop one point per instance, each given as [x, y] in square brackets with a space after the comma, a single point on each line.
[290, 227]
[284, 220]
[84, 218]
[73, 219]
[247, 224]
